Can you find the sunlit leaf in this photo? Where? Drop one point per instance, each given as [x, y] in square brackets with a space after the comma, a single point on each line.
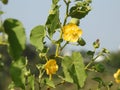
[49, 82]
[16, 37]
[66, 62]
[37, 36]
[73, 68]
[53, 21]
[31, 82]
[55, 1]
[79, 76]
[17, 73]
[11, 86]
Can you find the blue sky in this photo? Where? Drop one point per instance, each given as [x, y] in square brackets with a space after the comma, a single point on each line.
[102, 22]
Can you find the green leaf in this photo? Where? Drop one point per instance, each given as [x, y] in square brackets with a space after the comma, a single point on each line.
[80, 10]
[16, 37]
[73, 68]
[55, 1]
[99, 67]
[79, 76]
[100, 81]
[91, 53]
[37, 36]
[49, 82]
[11, 86]
[1, 12]
[104, 50]
[5, 1]
[53, 21]
[17, 73]
[31, 82]
[66, 62]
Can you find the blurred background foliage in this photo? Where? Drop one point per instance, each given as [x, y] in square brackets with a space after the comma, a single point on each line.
[108, 67]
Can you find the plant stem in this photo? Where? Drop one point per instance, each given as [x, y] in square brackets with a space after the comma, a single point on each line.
[46, 58]
[86, 67]
[108, 88]
[93, 59]
[50, 77]
[65, 20]
[67, 9]
[40, 78]
[63, 46]
[57, 50]
[60, 57]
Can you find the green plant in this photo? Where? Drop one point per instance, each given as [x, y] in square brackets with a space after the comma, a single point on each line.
[70, 69]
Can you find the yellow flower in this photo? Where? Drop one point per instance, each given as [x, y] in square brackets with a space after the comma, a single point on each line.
[71, 32]
[117, 76]
[51, 67]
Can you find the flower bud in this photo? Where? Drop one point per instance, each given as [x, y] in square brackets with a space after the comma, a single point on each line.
[75, 21]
